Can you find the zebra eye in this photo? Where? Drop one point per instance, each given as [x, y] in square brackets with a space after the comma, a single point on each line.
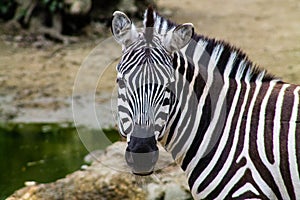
[121, 82]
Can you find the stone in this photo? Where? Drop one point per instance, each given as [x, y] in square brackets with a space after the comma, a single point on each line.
[175, 191]
[78, 7]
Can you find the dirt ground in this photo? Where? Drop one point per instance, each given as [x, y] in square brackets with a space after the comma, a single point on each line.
[36, 83]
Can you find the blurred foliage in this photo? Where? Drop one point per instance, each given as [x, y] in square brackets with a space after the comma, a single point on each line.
[67, 17]
[7, 9]
[53, 5]
[5, 6]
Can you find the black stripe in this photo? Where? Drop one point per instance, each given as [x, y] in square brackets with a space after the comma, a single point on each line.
[160, 24]
[225, 153]
[239, 58]
[269, 123]
[206, 110]
[224, 58]
[149, 25]
[187, 121]
[298, 136]
[202, 128]
[254, 155]
[286, 112]
[206, 55]
[189, 72]
[173, 127]
[247, 178]
[181, 68]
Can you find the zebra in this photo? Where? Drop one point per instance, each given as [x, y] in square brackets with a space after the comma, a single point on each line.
[231, 126]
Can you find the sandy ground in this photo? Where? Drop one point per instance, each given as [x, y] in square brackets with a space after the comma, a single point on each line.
[36, 84]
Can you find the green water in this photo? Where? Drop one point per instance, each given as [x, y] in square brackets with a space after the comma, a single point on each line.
[38, 152]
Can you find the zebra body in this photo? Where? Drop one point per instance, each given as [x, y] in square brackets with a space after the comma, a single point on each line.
[261, 115]
[232, 128]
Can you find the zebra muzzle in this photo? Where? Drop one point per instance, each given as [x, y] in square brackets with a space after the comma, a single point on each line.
[141, 155]
[141, 163]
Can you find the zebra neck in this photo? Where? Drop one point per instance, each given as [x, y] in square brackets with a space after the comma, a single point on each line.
[206, 71]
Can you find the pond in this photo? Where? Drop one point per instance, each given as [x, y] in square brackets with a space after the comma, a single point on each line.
[40, 152]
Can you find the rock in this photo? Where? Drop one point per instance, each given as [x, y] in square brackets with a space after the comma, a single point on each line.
[155, 191]
[93, 156]
[175, 191]
[108, 177]
[30, 183]
[77, 7]
[127, 6]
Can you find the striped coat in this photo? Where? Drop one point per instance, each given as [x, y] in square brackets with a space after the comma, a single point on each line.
[233, 128]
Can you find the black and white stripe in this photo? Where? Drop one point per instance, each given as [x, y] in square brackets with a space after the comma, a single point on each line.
[233, 128]
[147, 73]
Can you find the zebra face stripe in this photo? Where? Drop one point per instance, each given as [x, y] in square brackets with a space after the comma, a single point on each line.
[143, 94]
[145, 80]
[144, 100]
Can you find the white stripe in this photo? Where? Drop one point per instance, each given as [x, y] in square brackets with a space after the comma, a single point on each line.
[190, 98]
[164, 27]
[171, 120]
[237, 176]
[276, 143]
[248, 187]
[228, 162]
[219, 105]
[258, 83]
[145, 18]
[157, 23]
[127, 124]
[225, 134]
[182, 106]
[244, 152]
[199, 49]
[241, 171]
[261, 124]
[222, 144]
[260, 136]
[210, 77]
[292, 145]
[260, 182]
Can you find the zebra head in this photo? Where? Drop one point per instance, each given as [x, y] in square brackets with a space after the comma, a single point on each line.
[145, 74]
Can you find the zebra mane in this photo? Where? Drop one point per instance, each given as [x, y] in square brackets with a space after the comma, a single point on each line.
[162, 26]
[149, 24]
[255, 70]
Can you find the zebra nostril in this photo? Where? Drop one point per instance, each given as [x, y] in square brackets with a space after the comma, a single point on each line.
[129, 158]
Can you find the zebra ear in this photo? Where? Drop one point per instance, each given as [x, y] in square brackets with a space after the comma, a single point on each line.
[122, 29]
[179, 37]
